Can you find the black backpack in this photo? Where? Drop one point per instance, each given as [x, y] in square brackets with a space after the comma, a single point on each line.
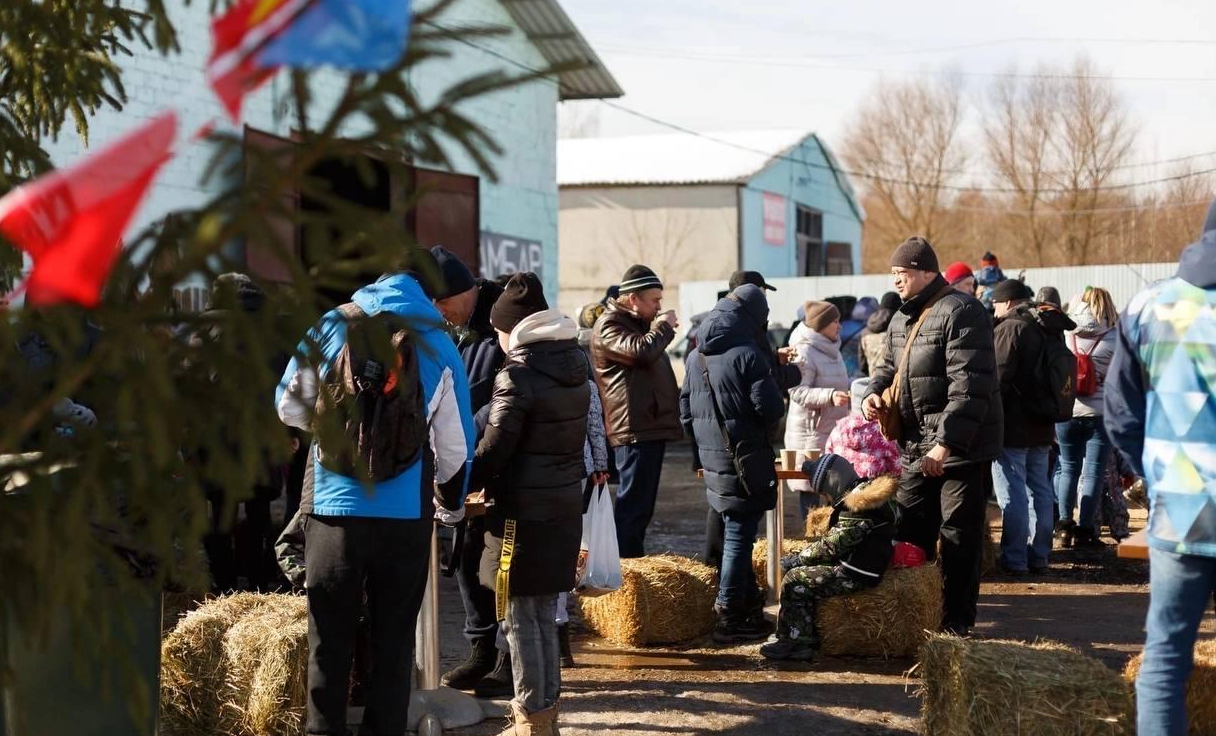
[370, 414]
[1055, 380]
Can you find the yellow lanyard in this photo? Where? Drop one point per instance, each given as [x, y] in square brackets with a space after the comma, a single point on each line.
[502, 582]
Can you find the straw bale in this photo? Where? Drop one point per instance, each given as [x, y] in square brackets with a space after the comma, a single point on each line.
[267, 653]
[663, 599]
[760, 557]
[1011, 688]
[1200, 689]
[194, 669]
[817, 521]
[892, 619]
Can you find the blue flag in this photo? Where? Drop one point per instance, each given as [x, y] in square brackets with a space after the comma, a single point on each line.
[369, 35]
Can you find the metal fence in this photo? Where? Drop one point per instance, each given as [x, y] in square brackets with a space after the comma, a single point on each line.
[1123, 281]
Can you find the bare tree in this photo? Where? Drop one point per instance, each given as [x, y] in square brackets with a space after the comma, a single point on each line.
[1174, 218]
[905, 147]
[1057, 139]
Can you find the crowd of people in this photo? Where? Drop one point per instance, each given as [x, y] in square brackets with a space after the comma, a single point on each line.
[912, 409]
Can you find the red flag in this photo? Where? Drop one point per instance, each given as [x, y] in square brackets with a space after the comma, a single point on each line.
[71, 221]
[232, 69]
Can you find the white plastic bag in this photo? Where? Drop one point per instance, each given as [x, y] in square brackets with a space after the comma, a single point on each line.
[599, 558]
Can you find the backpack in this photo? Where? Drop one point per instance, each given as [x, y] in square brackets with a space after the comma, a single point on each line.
[1087, 372]
[371, 418]
[1055, 381]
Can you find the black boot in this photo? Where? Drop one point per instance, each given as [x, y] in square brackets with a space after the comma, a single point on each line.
[1065, 531]
[563, 645]
[500, 683]
[479, 664]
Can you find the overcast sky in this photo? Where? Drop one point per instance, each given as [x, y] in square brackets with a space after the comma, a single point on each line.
[717, 65]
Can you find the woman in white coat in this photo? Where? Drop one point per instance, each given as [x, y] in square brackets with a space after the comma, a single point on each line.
[822, 398]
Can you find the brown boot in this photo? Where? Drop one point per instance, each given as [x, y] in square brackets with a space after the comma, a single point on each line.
[523, 723]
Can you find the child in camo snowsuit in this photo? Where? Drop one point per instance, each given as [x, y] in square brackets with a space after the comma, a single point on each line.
[851, 557]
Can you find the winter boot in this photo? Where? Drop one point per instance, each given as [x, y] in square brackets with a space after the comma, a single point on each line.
[1065, 531]
[479, 664]
[500, 683]
[523, 723]
[563, 645]
[1087, 538]
[740, 629]
[788, 649]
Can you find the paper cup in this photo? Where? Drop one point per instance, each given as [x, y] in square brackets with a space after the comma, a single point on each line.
[789, 459]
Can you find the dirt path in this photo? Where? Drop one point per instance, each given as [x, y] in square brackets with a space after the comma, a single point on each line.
[1090, 600]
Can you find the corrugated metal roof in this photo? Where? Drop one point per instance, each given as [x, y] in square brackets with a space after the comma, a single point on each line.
[560, 42]
[671, 158]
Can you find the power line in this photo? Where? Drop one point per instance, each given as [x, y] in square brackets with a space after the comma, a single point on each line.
[815, 164]
[753, 61]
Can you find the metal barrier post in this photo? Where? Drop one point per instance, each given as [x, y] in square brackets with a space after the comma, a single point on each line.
[775, 526]
[426, 646]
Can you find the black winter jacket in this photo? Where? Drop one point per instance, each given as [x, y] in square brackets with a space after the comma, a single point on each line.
[1020, 338]
[748, 396]
[949, 393]
[530, 460]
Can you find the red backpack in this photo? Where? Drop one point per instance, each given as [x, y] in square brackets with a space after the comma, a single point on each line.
[1087, 372]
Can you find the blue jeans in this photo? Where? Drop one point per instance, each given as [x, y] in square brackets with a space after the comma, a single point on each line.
[737, 583]
[1084, 452]
[1023, 490]
[640, 466]
[1180, 588]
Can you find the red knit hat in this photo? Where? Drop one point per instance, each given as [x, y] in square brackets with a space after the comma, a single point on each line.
[957, 272]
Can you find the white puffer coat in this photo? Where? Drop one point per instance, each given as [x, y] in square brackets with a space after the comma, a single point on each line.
[812, 415]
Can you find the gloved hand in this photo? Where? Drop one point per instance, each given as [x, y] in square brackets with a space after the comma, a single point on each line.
[789, 562]
[447, 517]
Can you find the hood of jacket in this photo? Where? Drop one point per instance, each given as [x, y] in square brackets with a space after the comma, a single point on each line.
[1089, 327]
[1046, 316]
[803, 335]
[737, 320]
[879, 321]
[546, 342]
[870, 494]
[401, 295]
[1197, 266]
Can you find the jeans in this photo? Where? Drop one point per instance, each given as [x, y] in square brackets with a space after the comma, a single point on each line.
[1180, 588]
[737, 586]
[345, 556]
[1023, 490]
[640, 466]
[949, 508]
[535, 659]
[480, 621]
[1084, 452]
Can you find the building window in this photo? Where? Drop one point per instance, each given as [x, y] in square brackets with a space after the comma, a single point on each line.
[809, 242]
[839, 260]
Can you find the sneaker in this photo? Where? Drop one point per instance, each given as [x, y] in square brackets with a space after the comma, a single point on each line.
[736, 632]
[785, 649]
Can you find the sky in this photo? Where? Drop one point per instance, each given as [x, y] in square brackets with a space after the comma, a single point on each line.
[713, 65]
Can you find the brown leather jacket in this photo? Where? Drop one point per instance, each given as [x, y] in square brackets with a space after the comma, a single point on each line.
[638, 388]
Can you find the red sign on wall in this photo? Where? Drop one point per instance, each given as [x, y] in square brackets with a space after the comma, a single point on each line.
[774, 219]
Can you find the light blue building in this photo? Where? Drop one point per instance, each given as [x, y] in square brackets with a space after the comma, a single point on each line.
[696, 207]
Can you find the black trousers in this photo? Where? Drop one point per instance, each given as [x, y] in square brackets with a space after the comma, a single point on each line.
[343, 557]
[480, 619]
[950, 508]
[715, 536]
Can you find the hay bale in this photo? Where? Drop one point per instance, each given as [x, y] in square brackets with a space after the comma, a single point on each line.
[267, 653]
[1200, 689]
[194, 668]
[663, 599]
[892, 619]
[760, 557]
[1011, 688]
[817, 521]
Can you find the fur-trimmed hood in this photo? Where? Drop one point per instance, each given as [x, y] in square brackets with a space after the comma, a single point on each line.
[871, 494]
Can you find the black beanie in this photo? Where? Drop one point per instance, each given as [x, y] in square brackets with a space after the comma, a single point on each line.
[522, 297]
[891, 301]
[457, 279]
[917, 253]
[639, 278]
[1010, 290]
[236, 291]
